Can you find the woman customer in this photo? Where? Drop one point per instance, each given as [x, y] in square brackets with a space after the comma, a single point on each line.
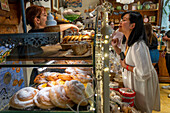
[36, 17]
[153, 43]
[138, 72]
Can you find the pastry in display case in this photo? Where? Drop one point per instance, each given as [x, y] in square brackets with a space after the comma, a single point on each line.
[63, 90]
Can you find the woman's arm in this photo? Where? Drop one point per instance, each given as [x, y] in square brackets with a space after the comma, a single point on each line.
[126, 66]
[64, 27]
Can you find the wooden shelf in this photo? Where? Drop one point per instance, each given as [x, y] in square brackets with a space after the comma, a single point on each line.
[116, 14]
[135, 10]
[116, 25]
[146, 10]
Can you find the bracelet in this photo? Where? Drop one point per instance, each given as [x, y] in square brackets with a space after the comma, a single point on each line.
[127, 67]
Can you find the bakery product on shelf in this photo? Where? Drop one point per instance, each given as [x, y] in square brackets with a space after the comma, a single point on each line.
[59, 98]
[65, 76]
[75, 90]
[80, 48]
[42, 99]
[68, 39]
[41, 86]
[82, 78]
[23, 98]
[83, 70]
[41, 78]
[70, 70]
[50, 20]
[52, 76]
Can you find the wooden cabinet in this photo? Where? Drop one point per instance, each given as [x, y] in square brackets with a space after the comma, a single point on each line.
[162, 69]
[115, 15]
[10, 20]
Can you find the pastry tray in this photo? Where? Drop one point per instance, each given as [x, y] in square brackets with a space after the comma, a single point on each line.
[82, 109]
[69, 53]
[54, 110]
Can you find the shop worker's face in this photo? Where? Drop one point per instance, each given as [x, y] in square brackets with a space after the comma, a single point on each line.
[124, 25]
[43, 18]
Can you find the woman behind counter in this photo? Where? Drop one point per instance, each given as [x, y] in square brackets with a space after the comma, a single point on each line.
[36, 17]
[138, 73]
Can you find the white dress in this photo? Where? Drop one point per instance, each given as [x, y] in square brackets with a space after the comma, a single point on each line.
[144, 79]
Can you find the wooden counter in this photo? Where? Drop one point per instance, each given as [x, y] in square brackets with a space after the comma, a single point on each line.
[162, 69]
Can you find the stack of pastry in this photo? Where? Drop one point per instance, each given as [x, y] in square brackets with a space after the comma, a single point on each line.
[68, 39]
[55, 78]
[62, 96]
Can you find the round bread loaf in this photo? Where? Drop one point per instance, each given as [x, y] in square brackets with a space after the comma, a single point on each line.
[42, 99]
[75, 90]
[23, 98]
[59, 98]
[80, 48]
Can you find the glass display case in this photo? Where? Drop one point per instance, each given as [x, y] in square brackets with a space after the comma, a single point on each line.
[27, 58]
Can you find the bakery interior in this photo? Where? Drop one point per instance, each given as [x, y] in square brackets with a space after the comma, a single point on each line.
[76, 72]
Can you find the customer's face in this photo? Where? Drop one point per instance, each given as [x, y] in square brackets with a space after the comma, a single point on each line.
[112, 25]
[43, 19]
[124, 24]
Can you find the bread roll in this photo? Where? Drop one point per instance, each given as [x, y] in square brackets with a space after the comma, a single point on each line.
[80, 48]
[82, 78]
[40, 79]
[75, 90]
[65, 76]
[41, 86]
[59, 98]
[23, 98]
[52, 76]
[42, 99]
[83, 70]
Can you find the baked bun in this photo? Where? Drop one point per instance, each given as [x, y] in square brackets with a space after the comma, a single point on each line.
[52, 76]
[70, 70]
[41, 86]
[59, 98]
[42, 99]
[83, 70]
[40, 79]
[80, 48]
[75, 90]
[82, 78]
[23, 98]
[54, 83]
[65, 76]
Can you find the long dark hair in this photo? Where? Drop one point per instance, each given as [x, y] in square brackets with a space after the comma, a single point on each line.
[149, 33]
[138, 33]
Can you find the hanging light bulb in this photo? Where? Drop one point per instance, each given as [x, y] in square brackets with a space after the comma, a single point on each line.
[117, 0]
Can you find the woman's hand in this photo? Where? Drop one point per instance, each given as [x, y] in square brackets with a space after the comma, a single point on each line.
[114, 42]
[72, 27]
[64, 27]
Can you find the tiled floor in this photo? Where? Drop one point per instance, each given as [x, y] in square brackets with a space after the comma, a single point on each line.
[165, 101]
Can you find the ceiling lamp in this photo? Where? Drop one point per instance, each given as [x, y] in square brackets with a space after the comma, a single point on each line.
[125, 1]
